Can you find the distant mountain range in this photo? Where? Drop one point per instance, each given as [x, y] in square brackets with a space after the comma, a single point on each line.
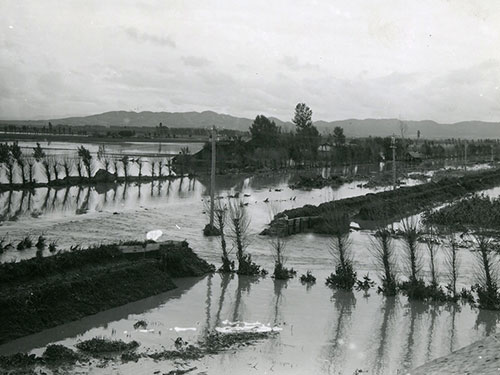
[352, 127]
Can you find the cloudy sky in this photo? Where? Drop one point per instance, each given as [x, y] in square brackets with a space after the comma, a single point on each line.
[422, 59]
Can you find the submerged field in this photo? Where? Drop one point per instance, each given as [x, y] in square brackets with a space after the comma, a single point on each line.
[324, 331]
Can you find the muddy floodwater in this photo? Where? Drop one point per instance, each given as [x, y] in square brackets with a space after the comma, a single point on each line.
[323, 331]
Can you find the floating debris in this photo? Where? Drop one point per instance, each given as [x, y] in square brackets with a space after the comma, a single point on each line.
[240, 327]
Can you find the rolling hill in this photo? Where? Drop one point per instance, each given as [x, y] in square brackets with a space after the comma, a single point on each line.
[352, 127]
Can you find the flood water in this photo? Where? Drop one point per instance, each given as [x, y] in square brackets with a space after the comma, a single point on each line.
[324, 331]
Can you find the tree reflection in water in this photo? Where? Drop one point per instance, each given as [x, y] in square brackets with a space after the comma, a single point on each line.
[244, 283]
[386, 328]
[225, 279]
[416, 309]
[334, 353]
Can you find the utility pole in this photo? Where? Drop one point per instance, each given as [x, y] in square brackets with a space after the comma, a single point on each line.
[465, 156]
[212, 179]
[393, 146]
[492, 154]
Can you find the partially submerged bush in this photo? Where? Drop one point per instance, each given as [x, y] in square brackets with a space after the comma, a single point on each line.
[308, 278]
[53, 246]
[98, 345]
[247, 267]
[40, 244]
[140, 324]
[418, 290]
[343, 278]
[56, 353]
[340, 248]
[365, 284]
[280, 271]
[25, 243]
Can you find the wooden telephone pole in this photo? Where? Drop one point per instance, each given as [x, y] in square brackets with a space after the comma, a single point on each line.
[210, 229]
[393, 146]
[212, 178]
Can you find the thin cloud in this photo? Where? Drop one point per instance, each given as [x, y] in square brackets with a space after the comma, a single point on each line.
[160, 40]
[195, 61]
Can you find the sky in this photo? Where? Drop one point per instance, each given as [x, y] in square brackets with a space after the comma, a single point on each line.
[412, 60]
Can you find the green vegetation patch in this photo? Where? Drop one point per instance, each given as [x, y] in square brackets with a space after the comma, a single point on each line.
[99, 345]
[477, 211]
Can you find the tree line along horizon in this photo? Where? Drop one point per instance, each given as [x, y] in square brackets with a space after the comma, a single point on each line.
[269, 146]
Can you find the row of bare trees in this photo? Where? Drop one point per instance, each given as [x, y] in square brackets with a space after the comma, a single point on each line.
[56, 167]
[487, 271]
[415, 284]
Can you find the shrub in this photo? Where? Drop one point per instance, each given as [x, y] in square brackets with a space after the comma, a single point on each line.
[98, 345]
[55, 353]
[340, 249]
[308, 278]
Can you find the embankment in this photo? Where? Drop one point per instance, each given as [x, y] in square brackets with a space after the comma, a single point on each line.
[481, 357]
[40, 293]
[387, 205]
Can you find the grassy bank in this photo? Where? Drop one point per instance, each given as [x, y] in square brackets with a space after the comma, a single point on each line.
[40, 293]
[393, 204]
[477, 211]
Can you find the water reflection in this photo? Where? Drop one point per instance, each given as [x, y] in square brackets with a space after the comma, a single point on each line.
[335, 352]
[244, 284]
[386, 330]
[79, 200]
[224, 283]
[377, 334]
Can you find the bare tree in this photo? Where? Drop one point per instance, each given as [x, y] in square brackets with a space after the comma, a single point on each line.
[452, 262]
[126, 165]
[487, 275]
[86, 158]
[160, 166]
[55, 167]
[411, 233]
[79, 168]
[106, 162]
[30, 162]
[383, 252]
[220, 212]
[139, 165]
[47, 168]
[153, 164]
[431, 243]
[68, 164]
[115, 167]
[240, 236]
[341, 251]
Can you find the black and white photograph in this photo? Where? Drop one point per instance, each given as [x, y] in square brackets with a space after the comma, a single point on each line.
[210, 187]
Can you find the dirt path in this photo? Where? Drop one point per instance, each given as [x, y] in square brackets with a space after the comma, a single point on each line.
[479, 358]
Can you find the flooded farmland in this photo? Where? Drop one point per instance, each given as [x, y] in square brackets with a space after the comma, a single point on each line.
[323, 331]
